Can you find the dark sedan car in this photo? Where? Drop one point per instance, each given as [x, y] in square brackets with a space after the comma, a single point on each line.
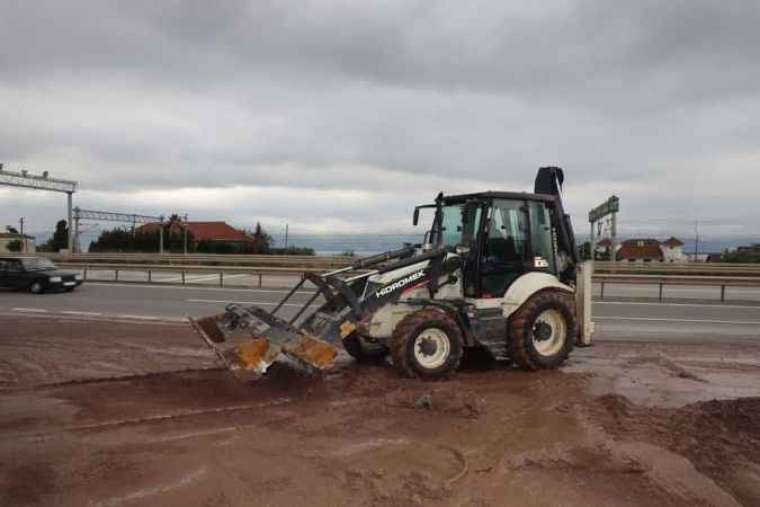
[35, 274]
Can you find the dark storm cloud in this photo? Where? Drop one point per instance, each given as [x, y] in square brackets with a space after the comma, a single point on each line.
[634, 98]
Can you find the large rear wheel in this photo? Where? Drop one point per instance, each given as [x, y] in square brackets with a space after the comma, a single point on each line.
[427, 344]
[542, 332]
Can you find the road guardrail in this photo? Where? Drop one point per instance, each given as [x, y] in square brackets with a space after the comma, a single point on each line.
[259, 272]
[328, 262]
[672, 268]
[313, 261]
[184, 271]
[661, 281]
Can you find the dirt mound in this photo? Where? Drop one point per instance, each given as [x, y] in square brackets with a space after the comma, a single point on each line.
[739, 417]
[721, 438]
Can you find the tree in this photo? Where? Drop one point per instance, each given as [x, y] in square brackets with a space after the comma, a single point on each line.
[124, 240]
[11, 229]
[15, 245]
[60, 239]
[585, 250]
[261, 240]
[746, 255]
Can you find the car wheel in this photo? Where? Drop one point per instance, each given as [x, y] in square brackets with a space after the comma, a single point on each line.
[36, 288]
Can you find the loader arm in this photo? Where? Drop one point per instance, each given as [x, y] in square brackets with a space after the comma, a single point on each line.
[248, 339]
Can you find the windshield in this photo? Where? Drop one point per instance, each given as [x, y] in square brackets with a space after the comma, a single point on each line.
[458, 224]
[38, 264]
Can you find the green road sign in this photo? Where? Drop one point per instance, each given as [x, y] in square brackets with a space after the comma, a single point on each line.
[612, 205]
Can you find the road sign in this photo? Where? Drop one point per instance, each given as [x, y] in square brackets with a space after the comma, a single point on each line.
[611, 205]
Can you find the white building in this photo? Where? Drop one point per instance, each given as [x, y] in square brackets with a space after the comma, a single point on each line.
[672, 251]
[7, 239]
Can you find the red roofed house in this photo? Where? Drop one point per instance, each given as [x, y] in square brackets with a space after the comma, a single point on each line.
[205, 231]
[672, 250]
[640, 250]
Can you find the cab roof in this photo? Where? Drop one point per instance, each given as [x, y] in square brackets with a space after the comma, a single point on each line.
[491, 194]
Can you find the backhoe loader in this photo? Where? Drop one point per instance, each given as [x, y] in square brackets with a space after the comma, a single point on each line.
[496, 270]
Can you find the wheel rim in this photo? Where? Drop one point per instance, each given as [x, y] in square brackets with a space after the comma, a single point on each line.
[36, 287]
[549, 332]
[432, 348]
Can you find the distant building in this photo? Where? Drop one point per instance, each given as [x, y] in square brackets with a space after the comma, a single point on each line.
[27, 243]
[651, 250]
[204, 231]
[672, 250]
[640, 250]
[603, 249]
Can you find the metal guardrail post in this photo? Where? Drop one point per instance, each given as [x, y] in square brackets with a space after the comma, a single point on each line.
[661, 284]
[259, 280]
[221, 279]
[85, 273]
[116, 274]
[723, 293]
[602, 294]
[183, 277]
[150, 276]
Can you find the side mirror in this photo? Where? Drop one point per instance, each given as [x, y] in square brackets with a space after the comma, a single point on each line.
[416, 217]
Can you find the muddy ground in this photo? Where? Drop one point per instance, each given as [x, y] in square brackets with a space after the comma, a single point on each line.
[622, 424]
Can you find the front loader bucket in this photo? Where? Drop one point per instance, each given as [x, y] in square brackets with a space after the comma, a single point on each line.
[248, 340]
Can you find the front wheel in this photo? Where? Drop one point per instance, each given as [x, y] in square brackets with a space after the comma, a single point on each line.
[36, 288]
[543, 330]
[363, 351]
[427, 344]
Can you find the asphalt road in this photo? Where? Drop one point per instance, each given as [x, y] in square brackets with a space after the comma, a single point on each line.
[616, 319]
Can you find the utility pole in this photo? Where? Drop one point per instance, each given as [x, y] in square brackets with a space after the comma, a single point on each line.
[613, 236]
[161, 235]
[696, 240]
[23, 238]
[286, 235]
[70, 215]
[185, 233]
[77, 249]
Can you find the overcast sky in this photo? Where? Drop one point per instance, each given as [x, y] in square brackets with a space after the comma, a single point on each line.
[340, 116]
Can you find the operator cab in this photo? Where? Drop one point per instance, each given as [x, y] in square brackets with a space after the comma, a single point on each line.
[501, 236]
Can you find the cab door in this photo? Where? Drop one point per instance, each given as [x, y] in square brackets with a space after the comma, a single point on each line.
[505, 252]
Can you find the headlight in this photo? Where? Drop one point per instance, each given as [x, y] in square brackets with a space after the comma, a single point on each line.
[55, 279]
[77, 277]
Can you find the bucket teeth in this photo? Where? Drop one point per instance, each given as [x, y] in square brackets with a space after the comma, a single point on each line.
[252, 357]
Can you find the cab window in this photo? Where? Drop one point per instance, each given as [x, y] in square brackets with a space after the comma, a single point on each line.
[507, 238]
[541, 237]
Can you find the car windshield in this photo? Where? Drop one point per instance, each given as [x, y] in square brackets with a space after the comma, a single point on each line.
[37, 264]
